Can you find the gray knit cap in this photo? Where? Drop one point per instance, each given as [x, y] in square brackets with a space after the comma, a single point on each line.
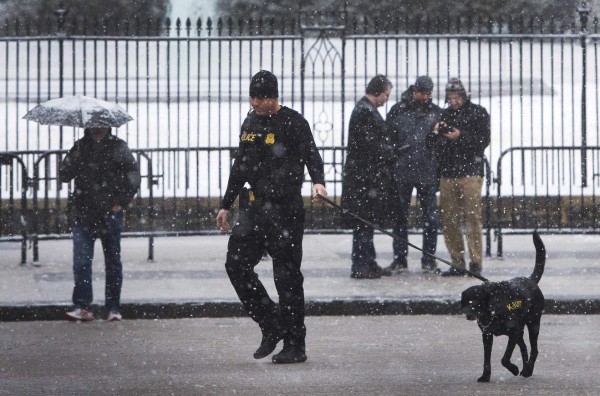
[424, 84]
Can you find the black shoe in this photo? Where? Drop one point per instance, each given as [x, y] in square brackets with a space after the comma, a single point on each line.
[396, 267]
[429, 266]
[290, 354]
[475, 268]
[382, 271]
[454, 272]
[367, 273]
[268, 344]
[431, 270]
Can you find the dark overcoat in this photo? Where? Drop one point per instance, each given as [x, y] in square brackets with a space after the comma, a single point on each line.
[369, 189]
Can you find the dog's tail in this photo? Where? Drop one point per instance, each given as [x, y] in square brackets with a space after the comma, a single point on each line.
[540, 258]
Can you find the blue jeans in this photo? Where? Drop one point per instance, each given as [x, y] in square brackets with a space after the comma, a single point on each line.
[84, 237]
[427, 200]
[363, 248]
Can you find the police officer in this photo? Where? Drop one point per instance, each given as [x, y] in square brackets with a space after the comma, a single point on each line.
[276, 144]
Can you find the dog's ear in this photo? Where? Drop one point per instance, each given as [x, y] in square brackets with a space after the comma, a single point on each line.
[464, 297]
[488, 288]
[473, 293]
[468, 294]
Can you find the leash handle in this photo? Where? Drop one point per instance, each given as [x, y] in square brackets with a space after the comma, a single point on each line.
[345, 211]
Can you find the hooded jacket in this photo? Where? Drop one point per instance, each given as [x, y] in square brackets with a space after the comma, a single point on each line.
[105, 173]
[463, 156]
[409, 123]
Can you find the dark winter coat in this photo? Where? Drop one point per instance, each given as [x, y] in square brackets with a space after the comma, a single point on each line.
[408, 123]
[462, 156]
[106, 174]
[273, 153]
[369, 189]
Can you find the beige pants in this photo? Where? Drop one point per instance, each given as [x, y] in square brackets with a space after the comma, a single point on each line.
[460, 201]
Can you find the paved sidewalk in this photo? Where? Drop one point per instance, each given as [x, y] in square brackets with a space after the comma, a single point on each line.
[187, 278]
[368, 355]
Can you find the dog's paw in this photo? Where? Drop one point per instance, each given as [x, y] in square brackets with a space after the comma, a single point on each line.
[511, 367]
[485, 377]
[527, 370]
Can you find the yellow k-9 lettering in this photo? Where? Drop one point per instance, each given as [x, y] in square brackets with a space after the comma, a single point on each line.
[511, 306]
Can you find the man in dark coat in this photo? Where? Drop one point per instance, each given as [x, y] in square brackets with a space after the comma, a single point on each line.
[106, 179]
[409, 122]
[460, 139]
[276, 144]
[368, 186]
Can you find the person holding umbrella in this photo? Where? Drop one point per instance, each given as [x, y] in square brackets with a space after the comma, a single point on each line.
[106, 177]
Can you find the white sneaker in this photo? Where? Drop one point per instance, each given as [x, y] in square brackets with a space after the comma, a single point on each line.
[82, 315]
[114, 316]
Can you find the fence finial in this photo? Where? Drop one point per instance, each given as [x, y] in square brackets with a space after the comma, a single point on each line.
[584, 13]
[60, 13]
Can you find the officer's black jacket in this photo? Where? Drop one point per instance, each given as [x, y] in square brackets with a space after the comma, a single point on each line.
[272, 154]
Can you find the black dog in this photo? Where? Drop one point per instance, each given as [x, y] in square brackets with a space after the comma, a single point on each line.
[505, 308]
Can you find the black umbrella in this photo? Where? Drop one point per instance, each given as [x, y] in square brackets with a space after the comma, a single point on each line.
[79, 111]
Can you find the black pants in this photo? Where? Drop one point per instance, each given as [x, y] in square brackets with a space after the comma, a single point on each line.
[278, 229]
[363, 247]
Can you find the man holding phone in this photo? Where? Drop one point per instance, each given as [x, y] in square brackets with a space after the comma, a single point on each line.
[459, 140]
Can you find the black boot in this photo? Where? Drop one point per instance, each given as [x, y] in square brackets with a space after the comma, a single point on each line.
[428, 266]
[453, 271]
[396, 267]
[268, 343]
[290, 354]
[475, 268]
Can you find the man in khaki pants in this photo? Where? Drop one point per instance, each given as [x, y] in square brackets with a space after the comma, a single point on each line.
[459, 140]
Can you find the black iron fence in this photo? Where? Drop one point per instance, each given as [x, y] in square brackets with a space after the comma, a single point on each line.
[186, 87]
[171, 202]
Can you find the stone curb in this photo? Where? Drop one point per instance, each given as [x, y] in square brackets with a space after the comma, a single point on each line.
[222, 309]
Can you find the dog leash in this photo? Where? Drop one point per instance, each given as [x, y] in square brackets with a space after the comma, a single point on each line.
[345, 211]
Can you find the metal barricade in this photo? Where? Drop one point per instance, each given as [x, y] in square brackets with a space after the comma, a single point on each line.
[50, 217]
[545, 188]
[14, 211]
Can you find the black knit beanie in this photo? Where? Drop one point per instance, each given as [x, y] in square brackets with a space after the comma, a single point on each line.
[424, 84]
[264, 85]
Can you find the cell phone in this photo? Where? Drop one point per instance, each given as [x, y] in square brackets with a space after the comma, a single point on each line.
[445, 128]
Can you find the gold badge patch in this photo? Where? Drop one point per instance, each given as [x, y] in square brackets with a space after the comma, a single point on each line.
[270, 139]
